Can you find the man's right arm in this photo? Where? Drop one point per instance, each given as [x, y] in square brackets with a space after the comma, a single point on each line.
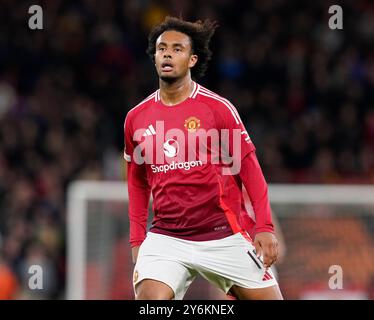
[139, 192]
[139, 195]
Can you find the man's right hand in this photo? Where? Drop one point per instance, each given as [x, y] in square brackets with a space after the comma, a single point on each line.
[135, 251]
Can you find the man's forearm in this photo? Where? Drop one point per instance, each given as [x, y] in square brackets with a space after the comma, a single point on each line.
[256, 186]
[139, 194]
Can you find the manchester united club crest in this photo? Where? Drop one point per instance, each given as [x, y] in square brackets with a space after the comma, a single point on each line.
[192, 124]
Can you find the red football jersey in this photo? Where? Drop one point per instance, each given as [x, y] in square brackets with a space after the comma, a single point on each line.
[193, 196]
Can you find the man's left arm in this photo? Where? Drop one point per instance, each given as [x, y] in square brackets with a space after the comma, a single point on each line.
[242, 151]
[253, 179]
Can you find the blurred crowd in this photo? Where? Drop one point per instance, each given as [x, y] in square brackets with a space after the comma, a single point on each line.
[305, 93]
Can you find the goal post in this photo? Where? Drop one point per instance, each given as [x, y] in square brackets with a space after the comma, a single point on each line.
[315, 220]
[317, 194]
[78, 195]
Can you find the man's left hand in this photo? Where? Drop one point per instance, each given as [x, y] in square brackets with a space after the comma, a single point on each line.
[266, 245]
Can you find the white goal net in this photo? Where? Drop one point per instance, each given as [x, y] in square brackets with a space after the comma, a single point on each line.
[328, 232]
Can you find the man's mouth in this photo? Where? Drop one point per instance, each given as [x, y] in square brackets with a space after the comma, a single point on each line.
[166, 67]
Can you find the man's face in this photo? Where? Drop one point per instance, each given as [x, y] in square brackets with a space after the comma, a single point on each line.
[173, 55]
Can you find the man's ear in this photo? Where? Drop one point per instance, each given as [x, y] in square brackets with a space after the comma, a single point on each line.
[193, 60]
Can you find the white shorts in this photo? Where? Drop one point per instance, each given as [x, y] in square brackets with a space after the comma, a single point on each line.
[224, 262]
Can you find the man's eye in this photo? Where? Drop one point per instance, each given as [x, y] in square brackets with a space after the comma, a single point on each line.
[161, 49]
[177, 49]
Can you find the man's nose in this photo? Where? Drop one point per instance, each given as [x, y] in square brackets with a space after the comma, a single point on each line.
[167, 55]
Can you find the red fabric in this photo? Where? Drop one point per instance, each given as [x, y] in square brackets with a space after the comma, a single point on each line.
[197, 202]
[256, 186]
[139, 195]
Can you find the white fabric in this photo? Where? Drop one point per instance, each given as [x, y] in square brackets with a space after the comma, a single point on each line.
[177, 262]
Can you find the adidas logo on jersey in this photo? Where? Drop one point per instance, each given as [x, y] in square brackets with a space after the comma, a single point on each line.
[149, 131]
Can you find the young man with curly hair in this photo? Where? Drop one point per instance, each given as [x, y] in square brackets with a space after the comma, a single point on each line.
[188, 147]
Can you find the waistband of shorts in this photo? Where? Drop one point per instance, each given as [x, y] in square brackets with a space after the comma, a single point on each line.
[237, 235]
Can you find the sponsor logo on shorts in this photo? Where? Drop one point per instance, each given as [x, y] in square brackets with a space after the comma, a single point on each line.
[267, 276]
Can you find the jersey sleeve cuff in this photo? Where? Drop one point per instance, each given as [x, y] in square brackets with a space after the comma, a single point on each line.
[265, 229]
[136, 243]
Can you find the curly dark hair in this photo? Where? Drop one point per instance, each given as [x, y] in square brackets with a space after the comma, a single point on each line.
[199, 32]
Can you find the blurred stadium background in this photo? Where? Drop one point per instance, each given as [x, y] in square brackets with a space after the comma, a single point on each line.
[305, 93]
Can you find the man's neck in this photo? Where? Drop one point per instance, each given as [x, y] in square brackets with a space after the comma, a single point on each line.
[175, 92]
